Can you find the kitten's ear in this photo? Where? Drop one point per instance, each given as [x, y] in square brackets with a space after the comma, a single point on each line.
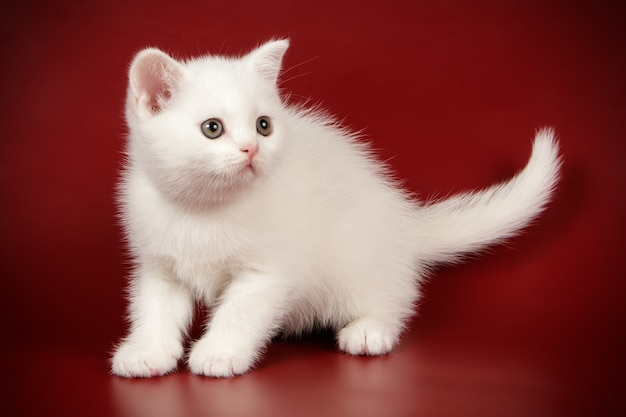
[153, 77]
[267, 59]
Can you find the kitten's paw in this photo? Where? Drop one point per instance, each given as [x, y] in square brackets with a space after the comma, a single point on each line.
[216, 359]
[145, 359]
[367, 337]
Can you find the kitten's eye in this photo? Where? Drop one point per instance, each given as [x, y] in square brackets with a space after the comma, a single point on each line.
[264, 126]
[212, 128]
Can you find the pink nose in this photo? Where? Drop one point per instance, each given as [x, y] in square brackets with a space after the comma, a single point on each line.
[250, 149]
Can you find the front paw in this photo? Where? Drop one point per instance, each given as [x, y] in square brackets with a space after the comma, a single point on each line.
[215, 359]
[133, 359]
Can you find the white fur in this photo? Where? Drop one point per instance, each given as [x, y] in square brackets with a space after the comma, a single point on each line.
[316, 233]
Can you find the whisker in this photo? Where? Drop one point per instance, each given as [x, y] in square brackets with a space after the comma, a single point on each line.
[286, 70]
[294, 77]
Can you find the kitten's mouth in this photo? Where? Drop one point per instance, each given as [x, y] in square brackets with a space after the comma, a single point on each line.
[249, 167]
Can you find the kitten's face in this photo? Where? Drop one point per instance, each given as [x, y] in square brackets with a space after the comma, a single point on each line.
[207, 129]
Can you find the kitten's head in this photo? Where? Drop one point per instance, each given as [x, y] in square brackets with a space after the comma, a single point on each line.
[206, 128]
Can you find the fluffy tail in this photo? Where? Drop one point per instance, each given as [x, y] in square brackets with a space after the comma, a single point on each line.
[471, 221]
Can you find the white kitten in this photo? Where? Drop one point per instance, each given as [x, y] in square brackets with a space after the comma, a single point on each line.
[277, 219]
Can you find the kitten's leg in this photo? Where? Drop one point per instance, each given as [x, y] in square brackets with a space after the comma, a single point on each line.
[160, 311]
[245, 320]
[370, 335]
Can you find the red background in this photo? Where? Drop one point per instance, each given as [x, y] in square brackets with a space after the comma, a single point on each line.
[450, 91]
